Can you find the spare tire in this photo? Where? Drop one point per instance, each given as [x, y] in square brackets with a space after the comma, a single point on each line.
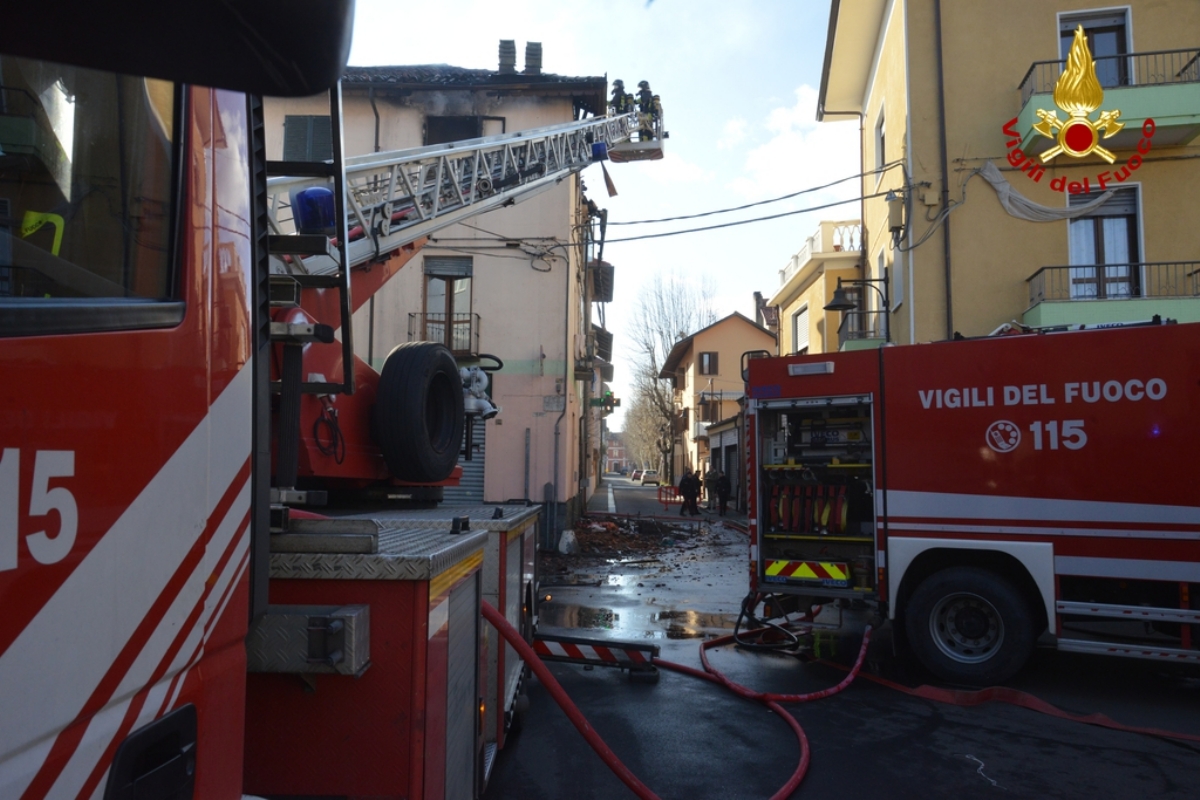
[418, 412]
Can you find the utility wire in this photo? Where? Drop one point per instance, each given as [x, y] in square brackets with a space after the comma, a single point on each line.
[747, 221]
[876, 171]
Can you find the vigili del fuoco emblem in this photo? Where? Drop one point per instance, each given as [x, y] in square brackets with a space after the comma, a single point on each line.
[1078, 92]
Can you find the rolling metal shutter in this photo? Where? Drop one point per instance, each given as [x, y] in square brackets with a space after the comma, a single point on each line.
[470, 491]
[462, 693]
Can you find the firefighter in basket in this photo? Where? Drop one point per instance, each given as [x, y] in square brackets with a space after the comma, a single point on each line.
[645, 103]
[621, 103]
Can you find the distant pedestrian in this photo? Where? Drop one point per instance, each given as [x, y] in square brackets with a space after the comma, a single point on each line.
[689, 489]
[710, 488]
[724, 489]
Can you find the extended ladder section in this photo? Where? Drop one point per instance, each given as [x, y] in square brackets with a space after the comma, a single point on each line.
[394, 198]
[329, 215]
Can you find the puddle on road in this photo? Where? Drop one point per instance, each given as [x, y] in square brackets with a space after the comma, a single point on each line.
[636, 623]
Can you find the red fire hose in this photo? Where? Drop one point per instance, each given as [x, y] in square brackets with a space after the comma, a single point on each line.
[772, 701]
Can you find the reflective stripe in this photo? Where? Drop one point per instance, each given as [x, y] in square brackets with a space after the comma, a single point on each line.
[807, 570]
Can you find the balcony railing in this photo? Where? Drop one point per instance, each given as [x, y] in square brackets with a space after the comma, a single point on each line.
[861, 325]
[1115, 281]
[830, 237]
[460, 334]
[1132, 69]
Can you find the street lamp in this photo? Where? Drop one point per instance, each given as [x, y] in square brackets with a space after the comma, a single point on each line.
[841, 302]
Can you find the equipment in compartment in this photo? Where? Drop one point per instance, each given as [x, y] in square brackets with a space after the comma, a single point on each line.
[818, 479]
[817, 495]
[799, 502]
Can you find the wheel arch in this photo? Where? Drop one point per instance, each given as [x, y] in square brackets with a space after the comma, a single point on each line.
[1029, 566]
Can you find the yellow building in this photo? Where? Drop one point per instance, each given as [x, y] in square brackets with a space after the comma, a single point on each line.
[832, 254]
[944, 89]
[705, 370]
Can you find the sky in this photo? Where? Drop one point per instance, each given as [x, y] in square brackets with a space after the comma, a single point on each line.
[738, 83]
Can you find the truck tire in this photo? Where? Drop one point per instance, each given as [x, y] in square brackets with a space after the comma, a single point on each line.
[969, 625]
[418, 414]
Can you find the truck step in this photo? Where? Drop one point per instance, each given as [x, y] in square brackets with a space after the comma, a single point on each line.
[1141, 613]
[1128, 650]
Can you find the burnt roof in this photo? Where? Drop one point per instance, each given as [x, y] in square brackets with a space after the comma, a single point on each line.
[591, 91]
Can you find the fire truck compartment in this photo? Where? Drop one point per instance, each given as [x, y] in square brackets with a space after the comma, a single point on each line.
[816, 484]
[509, 585]
[410, 725]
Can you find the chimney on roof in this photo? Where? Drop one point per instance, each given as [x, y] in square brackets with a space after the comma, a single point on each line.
[508, 56]
[533, 58]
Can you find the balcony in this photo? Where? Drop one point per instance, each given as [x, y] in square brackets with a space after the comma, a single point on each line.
[1162, 85]
[460, 334]
[830, 237]
[1114, 293]
[862, 330]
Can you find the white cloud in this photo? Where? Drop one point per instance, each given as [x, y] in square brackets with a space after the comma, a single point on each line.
[733, 134]
[801, 153]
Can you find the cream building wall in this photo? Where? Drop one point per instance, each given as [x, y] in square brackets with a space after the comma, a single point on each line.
[728, 338]
[987, 49]
[529, 298]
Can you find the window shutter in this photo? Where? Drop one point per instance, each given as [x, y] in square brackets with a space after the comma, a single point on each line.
[449, 267]
[800, 330]
[307, 138]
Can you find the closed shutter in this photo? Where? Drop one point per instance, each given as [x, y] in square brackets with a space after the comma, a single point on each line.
[469, 491]
[462, 693]
[800, 330]
[307, 138]
[450, 266]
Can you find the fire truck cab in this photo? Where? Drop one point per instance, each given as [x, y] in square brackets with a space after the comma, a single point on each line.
[987, 492]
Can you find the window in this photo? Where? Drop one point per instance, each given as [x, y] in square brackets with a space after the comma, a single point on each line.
[448, 316]
[880, 141]
[87, 200]
[800, 331]
[440, 130]
[1104, 249]
[853, 322]
[1107, 37]
[708, 363]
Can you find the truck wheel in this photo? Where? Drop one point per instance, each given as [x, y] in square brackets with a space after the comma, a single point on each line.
[418, 413]
[969, 625]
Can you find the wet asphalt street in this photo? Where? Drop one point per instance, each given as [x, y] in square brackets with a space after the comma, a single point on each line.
[688, 738]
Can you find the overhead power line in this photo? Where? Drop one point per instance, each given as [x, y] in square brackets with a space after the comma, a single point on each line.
[747, 221]
[876, 171]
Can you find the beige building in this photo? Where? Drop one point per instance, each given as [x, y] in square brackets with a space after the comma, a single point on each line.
[511, 283]
[944, 89]
[705, 370]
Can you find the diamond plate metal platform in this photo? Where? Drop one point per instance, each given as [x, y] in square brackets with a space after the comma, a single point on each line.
[400, 554]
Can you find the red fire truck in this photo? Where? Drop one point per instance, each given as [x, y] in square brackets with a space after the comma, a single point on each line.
[174, 382]
[987, 492]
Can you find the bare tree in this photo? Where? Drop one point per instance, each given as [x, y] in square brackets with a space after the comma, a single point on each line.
[672, 307]
[641, 433]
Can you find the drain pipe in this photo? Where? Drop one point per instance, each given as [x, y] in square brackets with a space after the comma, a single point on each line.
[566, 378]
[941, 80]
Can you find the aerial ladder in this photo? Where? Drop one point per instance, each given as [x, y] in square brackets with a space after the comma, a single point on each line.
[336, 231]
